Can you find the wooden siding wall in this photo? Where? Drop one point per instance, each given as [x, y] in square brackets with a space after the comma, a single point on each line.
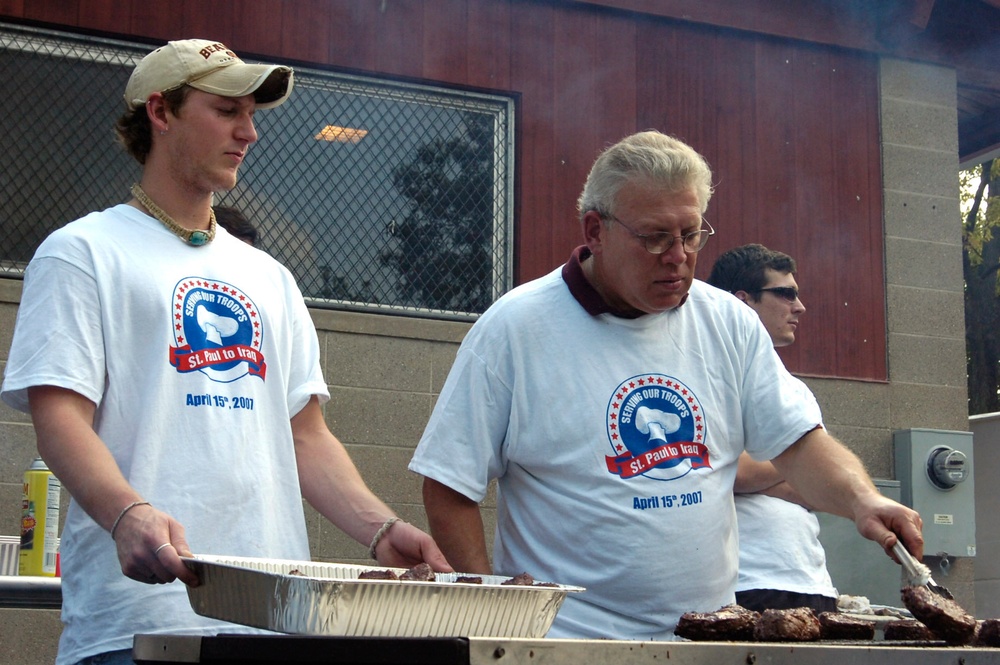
[790, 128]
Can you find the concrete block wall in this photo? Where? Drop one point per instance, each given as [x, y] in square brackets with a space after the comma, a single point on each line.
[17, 438]
[924, 281]
[28, 637]
[384, 375]
[923, 247]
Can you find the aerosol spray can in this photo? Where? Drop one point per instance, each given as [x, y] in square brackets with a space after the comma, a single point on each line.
[39, 521]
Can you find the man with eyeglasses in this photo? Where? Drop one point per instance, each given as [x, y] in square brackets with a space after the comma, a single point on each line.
[782, 562]
[611, 400]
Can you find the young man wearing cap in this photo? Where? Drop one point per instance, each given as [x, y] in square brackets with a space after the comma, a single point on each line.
[172, 374]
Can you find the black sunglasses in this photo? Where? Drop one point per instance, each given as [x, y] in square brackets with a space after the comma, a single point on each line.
[789, 293]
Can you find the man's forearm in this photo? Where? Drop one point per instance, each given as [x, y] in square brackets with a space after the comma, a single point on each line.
[753, 476]
[456, 524]
[832, 478]
[786, 492]
[71, 448]
[329, 479]
[826, 473]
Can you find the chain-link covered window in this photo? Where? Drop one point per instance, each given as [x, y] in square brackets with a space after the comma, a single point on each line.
[378, 195]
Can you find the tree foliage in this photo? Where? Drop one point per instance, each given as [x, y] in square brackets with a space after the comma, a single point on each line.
[981, 265]
[442, 253]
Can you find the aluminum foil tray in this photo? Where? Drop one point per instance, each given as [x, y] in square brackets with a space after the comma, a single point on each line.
[329, 599]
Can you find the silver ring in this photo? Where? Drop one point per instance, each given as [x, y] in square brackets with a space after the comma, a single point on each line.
[156, 552]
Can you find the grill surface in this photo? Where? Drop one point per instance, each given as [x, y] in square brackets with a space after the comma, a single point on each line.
[293, 650]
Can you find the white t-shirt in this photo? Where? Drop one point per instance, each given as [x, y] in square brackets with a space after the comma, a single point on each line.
[780, 548]
[196, 358]
[615, 444]
[779, 543]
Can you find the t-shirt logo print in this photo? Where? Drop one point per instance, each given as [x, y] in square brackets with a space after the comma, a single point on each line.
[656, 429]
[217, 331]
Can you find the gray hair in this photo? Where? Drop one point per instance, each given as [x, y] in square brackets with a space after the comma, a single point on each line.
[651, 156]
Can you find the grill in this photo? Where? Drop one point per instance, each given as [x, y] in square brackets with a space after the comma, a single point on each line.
[229, 649]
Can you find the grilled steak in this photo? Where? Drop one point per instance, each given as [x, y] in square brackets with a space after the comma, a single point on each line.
[837, 626]
[908, 630]
[799, 624]
[421, 572]
[524, 579]
[945, 617]
[731, 623]
[988, 634]
[378, 575]
[469, 579]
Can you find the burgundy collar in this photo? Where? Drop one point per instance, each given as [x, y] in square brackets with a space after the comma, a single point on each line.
[583, 291]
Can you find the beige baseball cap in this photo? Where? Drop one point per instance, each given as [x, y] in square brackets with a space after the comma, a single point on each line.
[210, 67]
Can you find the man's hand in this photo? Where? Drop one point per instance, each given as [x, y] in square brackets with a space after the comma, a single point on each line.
[404, 546]
[884, 521]
[150, 544]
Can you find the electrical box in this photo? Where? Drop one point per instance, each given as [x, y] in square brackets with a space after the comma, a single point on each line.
[935, 471]
[858, 566]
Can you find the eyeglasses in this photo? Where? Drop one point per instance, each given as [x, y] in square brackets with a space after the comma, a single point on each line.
[789, 293]
[658, 243]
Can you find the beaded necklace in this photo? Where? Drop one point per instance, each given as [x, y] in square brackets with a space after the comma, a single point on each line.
[195, 237]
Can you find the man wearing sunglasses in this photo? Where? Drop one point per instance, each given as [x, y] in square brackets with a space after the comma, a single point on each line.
[611, 399]
[782, 562]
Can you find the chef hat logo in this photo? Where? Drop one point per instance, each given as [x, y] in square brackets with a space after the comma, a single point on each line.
[217, 331]
[656, 429]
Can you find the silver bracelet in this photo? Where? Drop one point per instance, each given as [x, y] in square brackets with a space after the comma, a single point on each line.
[122, 514]
[384, 529]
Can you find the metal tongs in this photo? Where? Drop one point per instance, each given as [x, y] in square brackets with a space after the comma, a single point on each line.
[916, 573]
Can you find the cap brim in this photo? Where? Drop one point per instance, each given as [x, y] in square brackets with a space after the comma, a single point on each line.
[270, 85]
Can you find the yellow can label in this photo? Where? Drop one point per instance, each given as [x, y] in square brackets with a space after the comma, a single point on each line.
[39, 524]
